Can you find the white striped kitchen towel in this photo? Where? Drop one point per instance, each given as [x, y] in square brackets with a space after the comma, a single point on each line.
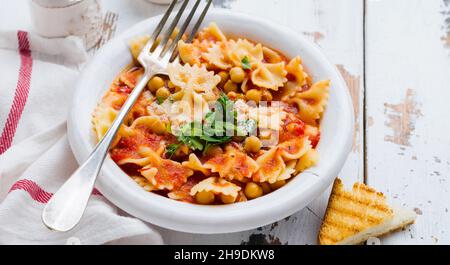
[37, 77]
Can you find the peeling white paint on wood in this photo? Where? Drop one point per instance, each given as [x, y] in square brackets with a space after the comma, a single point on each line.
[408, 82]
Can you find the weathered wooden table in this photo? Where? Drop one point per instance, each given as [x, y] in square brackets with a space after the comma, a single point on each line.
[395, 57]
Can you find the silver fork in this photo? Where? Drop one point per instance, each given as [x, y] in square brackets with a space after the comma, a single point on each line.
[65, 209]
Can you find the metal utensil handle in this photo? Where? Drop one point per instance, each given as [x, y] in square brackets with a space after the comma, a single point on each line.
[67, 206]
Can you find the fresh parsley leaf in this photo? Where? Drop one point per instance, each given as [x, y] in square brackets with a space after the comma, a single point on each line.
[226, 102]
[171, 150]
[210, 118]
[246, 65]
[193, 142]
[214, 130]
[188, 137]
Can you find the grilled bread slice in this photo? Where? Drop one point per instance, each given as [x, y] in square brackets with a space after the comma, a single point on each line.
[354, 216]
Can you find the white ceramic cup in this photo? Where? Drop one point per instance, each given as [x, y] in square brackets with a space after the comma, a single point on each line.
[62, 18]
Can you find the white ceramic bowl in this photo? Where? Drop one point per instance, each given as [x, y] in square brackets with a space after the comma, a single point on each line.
[337, 134]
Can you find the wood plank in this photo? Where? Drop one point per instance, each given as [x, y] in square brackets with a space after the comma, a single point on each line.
[408, 66]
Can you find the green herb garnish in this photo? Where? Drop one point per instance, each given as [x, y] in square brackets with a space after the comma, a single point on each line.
[171, 150]
[246, 65]
[214, 130]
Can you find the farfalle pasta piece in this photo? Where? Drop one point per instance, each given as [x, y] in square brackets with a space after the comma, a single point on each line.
[295, 68]
[308, 160]
[217, 57]
[212, 33]
[165, 174]
[271, 166]
[288, 91]
[103, 118]
[140, 156]
[138, 142]
[271, 56]
[183, 194]
[311, 103]
[218, 186]
[298, 80]
[144, 183]
[313, 134]
[195, 77]
[288, 172]
[233, 165]
[270, 76]
[151, 123]
[196, 165]
[267, 117]
[240, 49]
[189, 53]
[106, 112]
[192, 107]
[295, 148]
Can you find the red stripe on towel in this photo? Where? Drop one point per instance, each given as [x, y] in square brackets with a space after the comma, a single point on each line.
[36, 192]
[21, 94]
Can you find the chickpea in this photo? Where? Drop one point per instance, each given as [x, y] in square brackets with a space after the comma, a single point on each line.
[205, 197]
[155, 83]
[163, 93]
[254, 95]
[227, 199]
[230, 86]
[224, 77]
[252, 144]
[253, 191]
[237, 75]
[266, 187]
[278, 184]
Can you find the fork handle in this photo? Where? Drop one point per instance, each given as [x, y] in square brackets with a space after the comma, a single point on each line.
[65, 209]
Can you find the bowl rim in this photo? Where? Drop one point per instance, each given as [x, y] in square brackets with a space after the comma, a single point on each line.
[198, 219]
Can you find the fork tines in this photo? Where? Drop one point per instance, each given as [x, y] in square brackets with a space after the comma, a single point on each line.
[166, 49]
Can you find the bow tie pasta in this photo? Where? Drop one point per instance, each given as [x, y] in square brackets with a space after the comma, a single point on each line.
[233, 121]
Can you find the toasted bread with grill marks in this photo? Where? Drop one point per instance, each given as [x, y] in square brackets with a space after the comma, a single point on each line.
[354, 216]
